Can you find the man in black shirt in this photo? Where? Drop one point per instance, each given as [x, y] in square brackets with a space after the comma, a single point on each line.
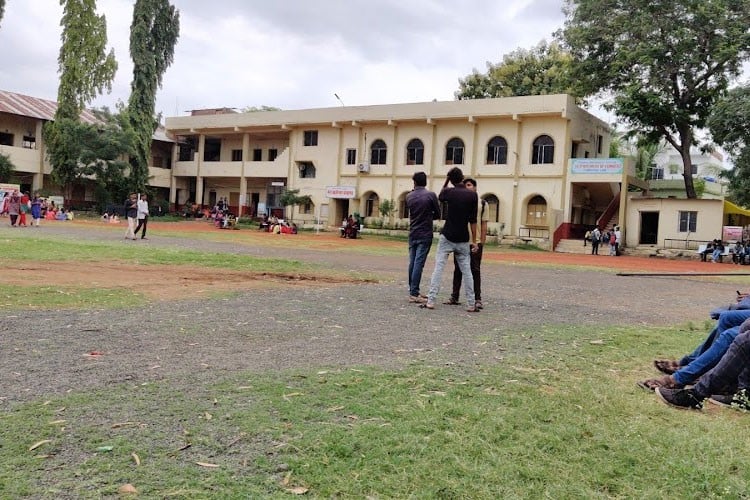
[423, 209]
[460, 220]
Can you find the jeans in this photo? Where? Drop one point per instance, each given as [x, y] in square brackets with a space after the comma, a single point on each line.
[709, 358]
[730, 373]
[727, 320]
[462, 251]
[418, 250]
[475, 262]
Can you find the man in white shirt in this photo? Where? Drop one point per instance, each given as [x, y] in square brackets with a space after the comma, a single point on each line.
[142, 216]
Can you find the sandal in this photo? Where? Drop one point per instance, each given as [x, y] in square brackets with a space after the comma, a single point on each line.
[667, 366]
[474, 309]
[452, 302]
[654, 383]
[427, 306]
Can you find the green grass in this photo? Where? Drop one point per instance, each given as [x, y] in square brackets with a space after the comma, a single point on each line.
[56, 297]
[561, 420]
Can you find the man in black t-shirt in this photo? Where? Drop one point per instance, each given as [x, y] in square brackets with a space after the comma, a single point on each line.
[460, 221]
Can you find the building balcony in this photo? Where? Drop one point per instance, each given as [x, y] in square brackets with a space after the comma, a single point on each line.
[25, 160]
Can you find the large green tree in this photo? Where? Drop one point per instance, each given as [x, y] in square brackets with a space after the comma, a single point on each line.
[86, 70]
[544, 69]
[664, 63]
[153, 36]
[729, 124]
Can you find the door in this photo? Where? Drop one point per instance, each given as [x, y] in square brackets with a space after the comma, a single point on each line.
[649, 228]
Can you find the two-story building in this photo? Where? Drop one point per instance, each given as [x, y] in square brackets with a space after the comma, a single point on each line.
[539, 161]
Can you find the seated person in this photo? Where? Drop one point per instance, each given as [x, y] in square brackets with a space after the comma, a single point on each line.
[263, 225]
[105, 217]
[114, 219]
[61, 215]
[730, 377]
[718, 250]
[737, 252]
[704, 357]
[50, 215]
[709, 250]
[69, 215]
[219, 219]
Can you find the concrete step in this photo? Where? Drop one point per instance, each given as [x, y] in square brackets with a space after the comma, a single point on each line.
[576, 246]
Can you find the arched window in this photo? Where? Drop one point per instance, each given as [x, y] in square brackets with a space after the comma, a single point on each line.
[415, 152]
[372, 205]
[497, 151]
[493, 207]
[454, 152]
[378, 152]
[536, 213]
[543, 150]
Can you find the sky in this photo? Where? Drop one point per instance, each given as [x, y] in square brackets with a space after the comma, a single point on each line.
[291, 54]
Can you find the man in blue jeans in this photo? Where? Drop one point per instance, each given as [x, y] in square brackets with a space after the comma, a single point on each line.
[731, 376]
[705, 356]
[423, 208]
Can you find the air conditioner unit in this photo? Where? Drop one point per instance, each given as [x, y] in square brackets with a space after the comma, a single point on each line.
[364, 167]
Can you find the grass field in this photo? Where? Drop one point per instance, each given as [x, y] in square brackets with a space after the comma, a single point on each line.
[559, 417]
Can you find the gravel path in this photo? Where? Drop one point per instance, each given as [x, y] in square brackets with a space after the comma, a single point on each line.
[328, 325]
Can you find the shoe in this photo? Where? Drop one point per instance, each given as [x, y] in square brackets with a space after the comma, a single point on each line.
[428, 305]
[474, 309]
[685, 399]
[417, 299]
[478, 304]
[452, 302]
[738, 400]
[144, 238]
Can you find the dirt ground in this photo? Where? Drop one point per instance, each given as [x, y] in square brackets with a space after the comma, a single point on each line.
[283, 322]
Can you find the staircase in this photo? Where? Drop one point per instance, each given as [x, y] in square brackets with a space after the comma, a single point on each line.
[574, 246]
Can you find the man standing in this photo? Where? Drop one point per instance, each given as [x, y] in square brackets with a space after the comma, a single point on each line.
[131, 212]
[618, 240]
[596, 236]
[475, 260]
[423, 208]
[142, 216]
[460, 220]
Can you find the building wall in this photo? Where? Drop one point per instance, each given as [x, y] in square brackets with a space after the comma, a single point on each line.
[708, 224]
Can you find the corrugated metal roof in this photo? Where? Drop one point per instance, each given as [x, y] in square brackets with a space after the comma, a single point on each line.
[34, 107]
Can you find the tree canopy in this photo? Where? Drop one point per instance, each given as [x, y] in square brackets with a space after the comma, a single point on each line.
[153, 36]
[665, 63]
[86, 70]
[544, 69]
[6, 168]
[729, 124]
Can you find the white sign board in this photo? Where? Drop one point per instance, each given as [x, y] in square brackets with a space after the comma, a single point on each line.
[596, 166]
[341, 192]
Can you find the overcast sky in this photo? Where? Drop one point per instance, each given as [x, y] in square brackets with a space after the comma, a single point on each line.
[292, 54]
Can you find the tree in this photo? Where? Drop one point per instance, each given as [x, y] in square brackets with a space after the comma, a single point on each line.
[85, 72]
[387, 207]
[96, 151]
[729, 124]
[6, 168]
[2, 9]
[153, 36]
[665, 63]
[291, 197]
[255, 109]
[544, 69]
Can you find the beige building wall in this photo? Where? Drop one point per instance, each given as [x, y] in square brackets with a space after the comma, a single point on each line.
[708, 223]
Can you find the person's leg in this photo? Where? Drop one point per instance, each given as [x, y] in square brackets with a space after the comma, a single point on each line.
[419, 249]
[727, 319]
[475, 262]
[463, 251]
[145, 224]
[441, 256]
[703, 363]
[138, 227]
[727, 372]
[457, 279]
[702, 347]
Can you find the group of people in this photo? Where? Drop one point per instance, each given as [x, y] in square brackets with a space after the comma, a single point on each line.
[717, 370]
[137, 212]
[459, 236]
[715, 249]
[609, 238]
[276, 226]
[349, 227]
[20, 206]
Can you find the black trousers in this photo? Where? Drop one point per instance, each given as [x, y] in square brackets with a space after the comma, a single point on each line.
[475, 261]
[142, 222]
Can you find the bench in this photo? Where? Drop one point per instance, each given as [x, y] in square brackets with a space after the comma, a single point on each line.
[702, 249]
[526, 241]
